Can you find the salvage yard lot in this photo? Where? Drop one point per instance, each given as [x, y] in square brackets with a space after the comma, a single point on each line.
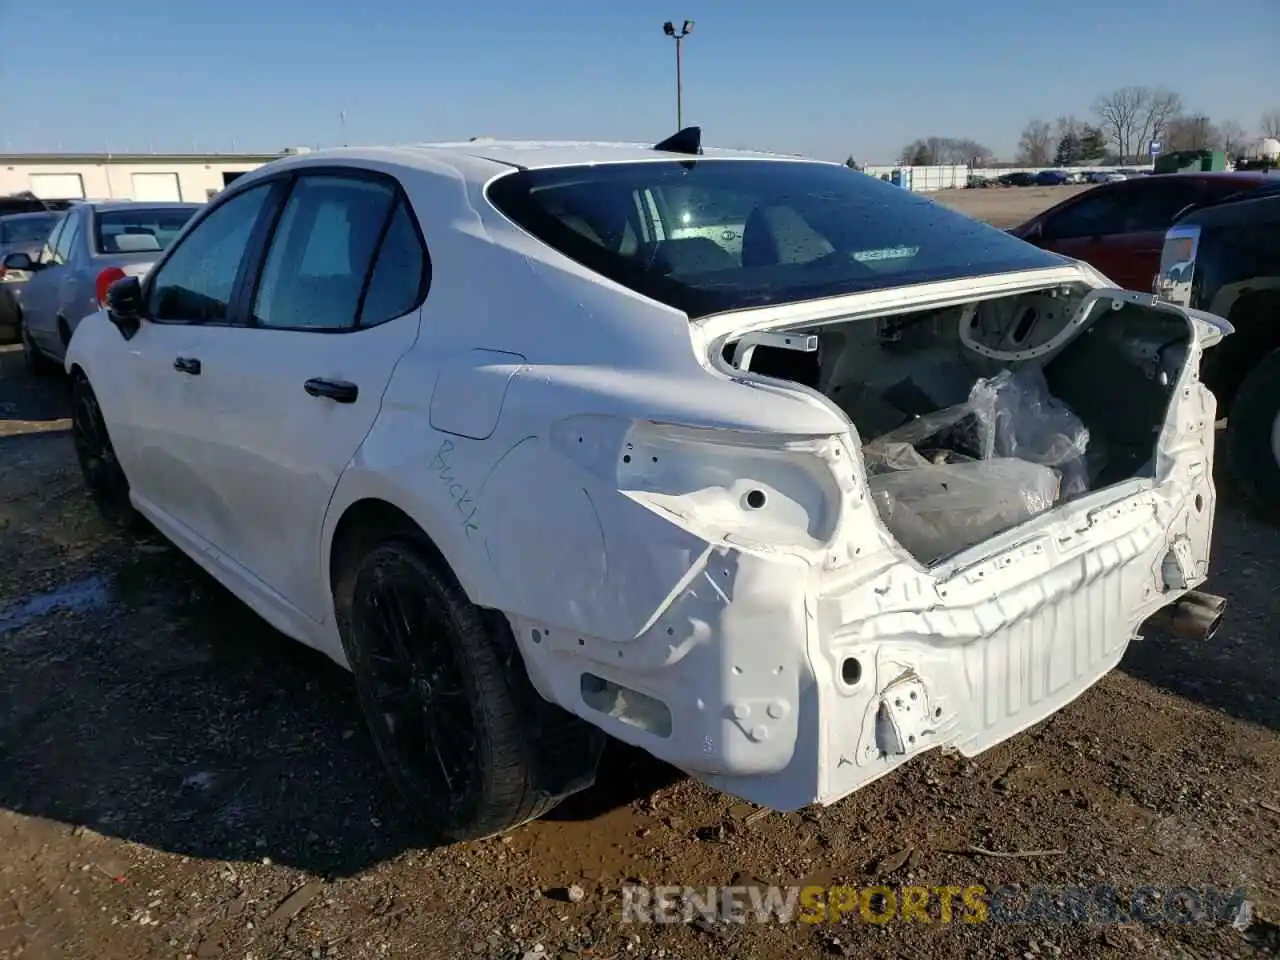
[177, 780]
[1006, 206]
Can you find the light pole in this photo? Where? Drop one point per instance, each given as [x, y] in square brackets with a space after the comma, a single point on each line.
[669, 29]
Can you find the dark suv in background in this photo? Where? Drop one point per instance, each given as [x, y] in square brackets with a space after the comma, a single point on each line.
[1224, 257]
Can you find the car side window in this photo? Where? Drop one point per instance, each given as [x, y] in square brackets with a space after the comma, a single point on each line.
[194, 285]
[398, 274]
[46, 252]
[1157, 203]
[66, 240]
[1096, 214]
[320, 254]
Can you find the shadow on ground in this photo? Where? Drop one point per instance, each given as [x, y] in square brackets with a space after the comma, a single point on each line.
[1238, 670]
[206, 733]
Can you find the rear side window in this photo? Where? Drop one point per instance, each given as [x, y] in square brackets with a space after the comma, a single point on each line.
[321, 253]
[139, 230]
[711, 235]
[399, 273]
[1097, 214]
[1158, 201]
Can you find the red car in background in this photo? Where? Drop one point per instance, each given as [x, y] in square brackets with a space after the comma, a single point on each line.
[1119, 228]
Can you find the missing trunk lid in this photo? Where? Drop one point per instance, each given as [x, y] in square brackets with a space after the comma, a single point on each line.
[978, 416]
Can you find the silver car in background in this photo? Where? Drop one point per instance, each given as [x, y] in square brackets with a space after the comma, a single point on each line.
[91, 246]
[19, 233]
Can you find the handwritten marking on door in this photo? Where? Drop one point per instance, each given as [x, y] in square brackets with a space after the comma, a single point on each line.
[442, 469]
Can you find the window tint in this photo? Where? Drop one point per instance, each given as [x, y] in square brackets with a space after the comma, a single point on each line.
[194, 285]
[712, 235]
[26, 228]
[66, 240]
[1154, 206]
[139, 229]
[1096, 214]
[397, 278]
[321, 252]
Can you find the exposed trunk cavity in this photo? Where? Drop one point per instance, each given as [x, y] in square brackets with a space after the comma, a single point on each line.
[979, 416]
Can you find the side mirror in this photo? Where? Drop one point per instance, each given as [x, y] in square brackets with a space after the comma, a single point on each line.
[18, 261]
[124, 305]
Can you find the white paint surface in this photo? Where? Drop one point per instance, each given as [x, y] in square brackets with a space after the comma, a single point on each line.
[566, 443]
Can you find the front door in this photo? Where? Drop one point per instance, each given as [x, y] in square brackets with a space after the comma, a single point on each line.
[158, 405]
[40, 293]
[291, 392]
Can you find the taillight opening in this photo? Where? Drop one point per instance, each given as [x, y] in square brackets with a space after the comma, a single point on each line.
[105, 279]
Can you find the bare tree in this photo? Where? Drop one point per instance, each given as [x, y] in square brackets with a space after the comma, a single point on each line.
[1119, 114]
[1159, 107]
[1232, 138]
[1191, 133]
[1133, 116]
[1271, 124]
[929, 151]
[1035, 146]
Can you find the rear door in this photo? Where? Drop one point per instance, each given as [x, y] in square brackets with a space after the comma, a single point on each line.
[1146, 215]
[329, 310]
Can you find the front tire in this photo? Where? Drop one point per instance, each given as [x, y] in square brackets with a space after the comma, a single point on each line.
[1253, 437]
[463, 734]
[103, 476]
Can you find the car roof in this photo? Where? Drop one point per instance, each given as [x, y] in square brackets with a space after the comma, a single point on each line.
[481, 159]
[107, 206]
[31, 215]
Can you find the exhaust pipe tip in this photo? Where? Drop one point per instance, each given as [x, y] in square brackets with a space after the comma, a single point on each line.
[1193, 616]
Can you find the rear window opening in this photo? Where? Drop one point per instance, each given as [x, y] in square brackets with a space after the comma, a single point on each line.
[139, 229]
[707, 236]
[973, 420]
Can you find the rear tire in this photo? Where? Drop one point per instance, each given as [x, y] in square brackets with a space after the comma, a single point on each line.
[1253, 437]
[463, 734]
[103, 476]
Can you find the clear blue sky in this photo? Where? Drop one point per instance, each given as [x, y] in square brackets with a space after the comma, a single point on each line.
[820, 77]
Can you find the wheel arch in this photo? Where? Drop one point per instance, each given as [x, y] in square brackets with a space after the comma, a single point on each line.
[369, 519]
[1255, 314]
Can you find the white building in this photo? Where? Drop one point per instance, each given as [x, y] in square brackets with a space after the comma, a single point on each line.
[131, 176]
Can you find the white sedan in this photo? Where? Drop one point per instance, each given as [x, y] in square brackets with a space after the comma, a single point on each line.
[545, 440]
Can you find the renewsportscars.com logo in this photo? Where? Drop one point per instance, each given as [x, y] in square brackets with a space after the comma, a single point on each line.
[935, 904]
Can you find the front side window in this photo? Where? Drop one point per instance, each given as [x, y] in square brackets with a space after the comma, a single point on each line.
[46, 252]
[67, 240]
[139, 229]
[195, 284]
[321, 252]
[711, 235]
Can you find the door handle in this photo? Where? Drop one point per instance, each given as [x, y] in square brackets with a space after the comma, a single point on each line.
[187, 365]
[339, 391]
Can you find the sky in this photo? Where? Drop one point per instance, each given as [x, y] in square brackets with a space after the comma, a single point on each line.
[825, 78]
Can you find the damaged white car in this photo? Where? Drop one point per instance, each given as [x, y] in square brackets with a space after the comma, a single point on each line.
[779, 472]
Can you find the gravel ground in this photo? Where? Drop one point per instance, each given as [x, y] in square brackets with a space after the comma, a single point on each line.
[178, 780]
